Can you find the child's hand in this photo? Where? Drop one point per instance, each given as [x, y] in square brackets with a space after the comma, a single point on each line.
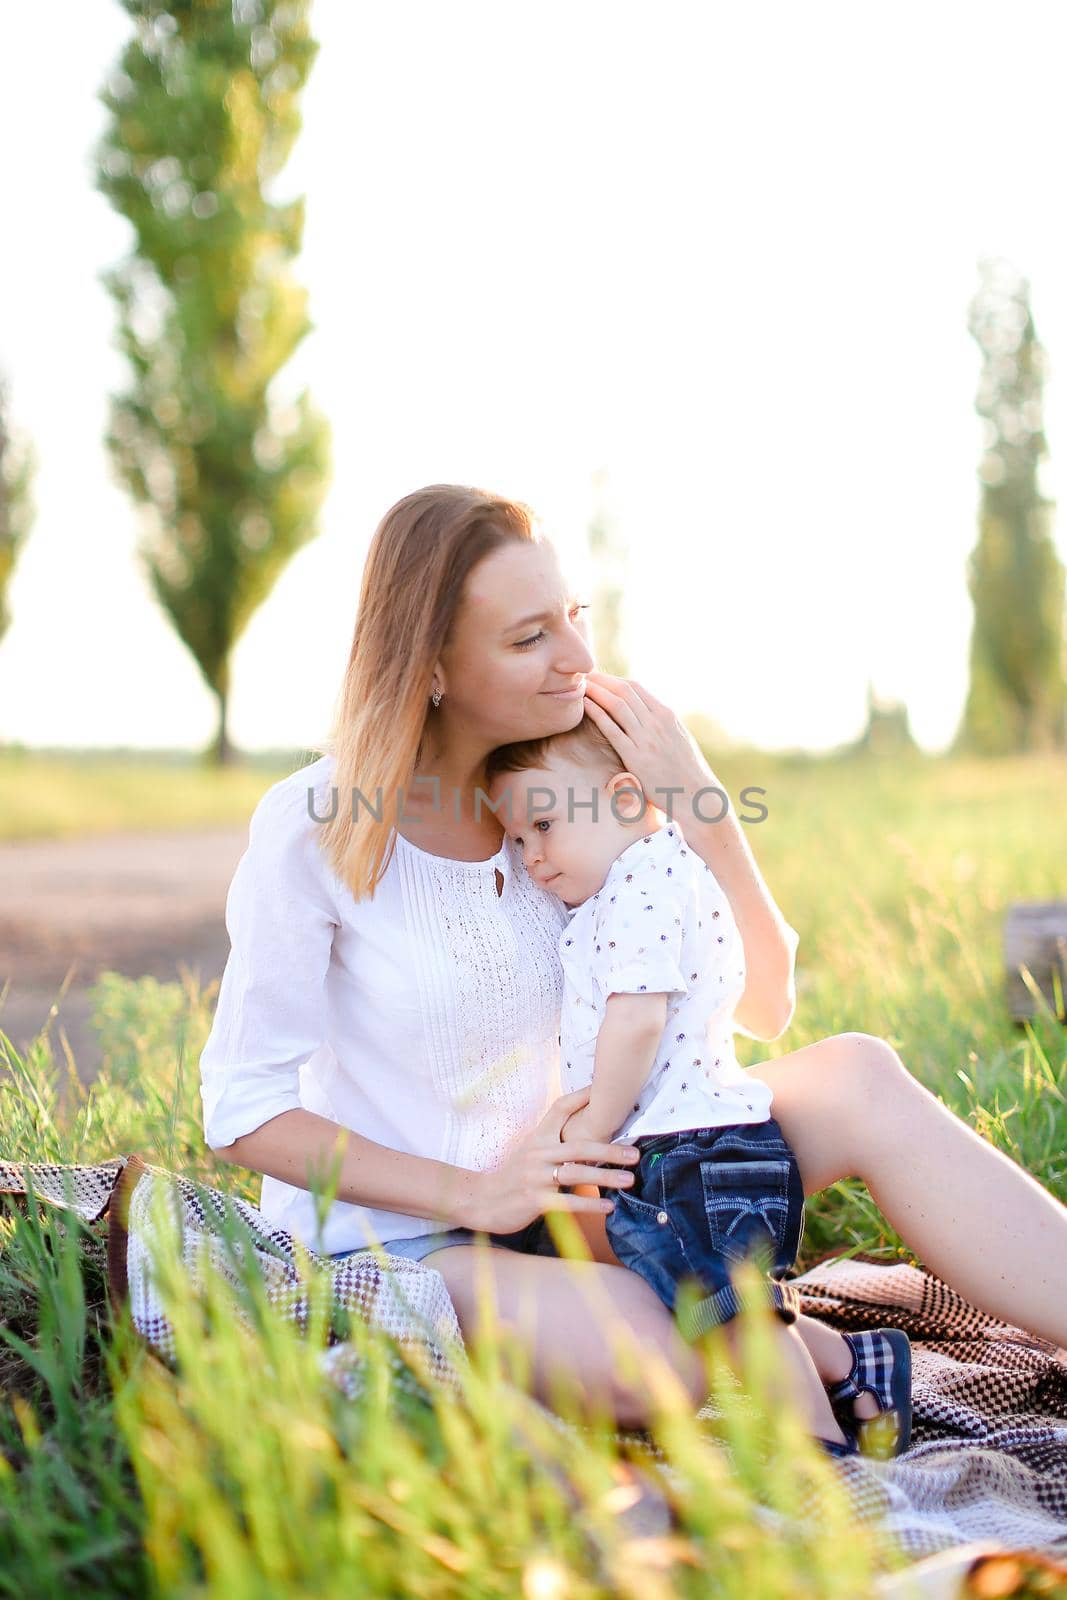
[580, 1125]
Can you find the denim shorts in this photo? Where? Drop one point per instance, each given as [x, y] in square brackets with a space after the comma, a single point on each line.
[533, 1240]
[703, 1200]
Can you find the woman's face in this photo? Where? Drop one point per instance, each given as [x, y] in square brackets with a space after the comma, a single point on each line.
[515, 665]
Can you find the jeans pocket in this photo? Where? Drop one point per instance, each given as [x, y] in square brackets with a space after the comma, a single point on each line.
[747, 1205]
[646, 1245]
[628, 1203]
[635, 1224]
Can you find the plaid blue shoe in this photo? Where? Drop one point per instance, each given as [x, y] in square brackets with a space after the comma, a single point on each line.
[881, 1366]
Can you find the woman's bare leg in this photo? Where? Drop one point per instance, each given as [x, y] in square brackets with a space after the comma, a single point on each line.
[563, 1313]
[850, 1108]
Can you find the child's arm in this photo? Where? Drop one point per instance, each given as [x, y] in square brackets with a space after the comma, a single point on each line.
[626, 1048]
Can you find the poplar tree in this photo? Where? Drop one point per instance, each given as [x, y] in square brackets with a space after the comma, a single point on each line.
[17, 467]
[1016, 699]
[230, 472]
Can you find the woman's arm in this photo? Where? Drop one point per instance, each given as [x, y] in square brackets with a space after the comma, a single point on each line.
[769, 998]
[304, 1149]
[270, 1018]
[660, 751]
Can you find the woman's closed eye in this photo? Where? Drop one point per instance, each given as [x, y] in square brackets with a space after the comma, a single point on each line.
[526, 644]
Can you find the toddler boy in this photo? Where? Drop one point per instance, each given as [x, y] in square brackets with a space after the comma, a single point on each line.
[653, 969]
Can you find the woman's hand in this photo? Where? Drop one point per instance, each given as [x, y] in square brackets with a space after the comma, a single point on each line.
[651, 741]
[667, 762]
[521, 1188]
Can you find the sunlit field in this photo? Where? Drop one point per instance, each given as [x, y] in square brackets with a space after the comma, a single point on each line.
[45, 796]
[247, 1473]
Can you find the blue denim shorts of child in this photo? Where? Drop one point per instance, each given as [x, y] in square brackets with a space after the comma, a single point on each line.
[532, 1240]
[702, 1200]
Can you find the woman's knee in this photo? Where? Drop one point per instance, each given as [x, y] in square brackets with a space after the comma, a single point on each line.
[866, 1068]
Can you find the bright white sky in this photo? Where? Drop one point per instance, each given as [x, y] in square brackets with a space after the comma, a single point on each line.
[722, 252]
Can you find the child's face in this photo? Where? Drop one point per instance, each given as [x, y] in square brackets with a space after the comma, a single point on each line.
[567, 849]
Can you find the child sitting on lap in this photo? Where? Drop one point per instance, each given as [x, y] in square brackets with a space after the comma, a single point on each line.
[653, 969]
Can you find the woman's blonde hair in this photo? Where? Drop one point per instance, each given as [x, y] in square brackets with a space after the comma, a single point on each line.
[418, 562]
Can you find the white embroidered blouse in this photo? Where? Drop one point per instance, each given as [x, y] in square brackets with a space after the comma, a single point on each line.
[425, 1018]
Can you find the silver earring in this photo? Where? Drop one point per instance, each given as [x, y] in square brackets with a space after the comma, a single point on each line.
[436, 698]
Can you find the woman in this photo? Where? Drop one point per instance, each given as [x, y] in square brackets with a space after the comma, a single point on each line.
[389, 1012]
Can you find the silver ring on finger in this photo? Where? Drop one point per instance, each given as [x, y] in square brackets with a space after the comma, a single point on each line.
[555, 1176]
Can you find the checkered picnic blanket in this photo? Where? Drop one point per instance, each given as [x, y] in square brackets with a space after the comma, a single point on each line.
[988, 1455]
[988, 1459]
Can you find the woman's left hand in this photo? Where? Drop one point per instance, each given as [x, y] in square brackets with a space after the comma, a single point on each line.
[651, 741]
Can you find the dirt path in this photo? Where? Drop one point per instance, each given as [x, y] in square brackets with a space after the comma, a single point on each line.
[135, 903]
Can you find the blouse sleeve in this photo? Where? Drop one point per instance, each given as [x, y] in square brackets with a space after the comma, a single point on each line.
[271, 1011]
[637, 947]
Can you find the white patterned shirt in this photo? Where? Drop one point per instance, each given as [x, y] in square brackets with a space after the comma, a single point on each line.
[660, 923]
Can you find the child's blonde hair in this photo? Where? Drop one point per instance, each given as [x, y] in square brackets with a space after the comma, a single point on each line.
[584, 745]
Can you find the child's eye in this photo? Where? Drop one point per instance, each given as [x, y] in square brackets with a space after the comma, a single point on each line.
[526, 644]
[537, 824]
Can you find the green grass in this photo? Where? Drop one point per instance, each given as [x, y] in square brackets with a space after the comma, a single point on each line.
[45, 795]
[245, 1473]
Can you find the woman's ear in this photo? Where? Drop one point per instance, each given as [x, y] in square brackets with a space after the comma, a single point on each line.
[626, 797]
